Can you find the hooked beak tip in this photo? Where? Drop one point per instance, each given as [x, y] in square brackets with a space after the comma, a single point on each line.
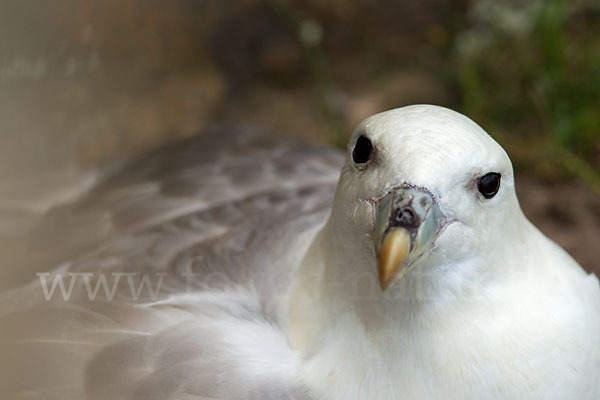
[393, 255]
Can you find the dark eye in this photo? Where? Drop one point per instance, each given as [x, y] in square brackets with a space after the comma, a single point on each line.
[362, 150]
[489, 184]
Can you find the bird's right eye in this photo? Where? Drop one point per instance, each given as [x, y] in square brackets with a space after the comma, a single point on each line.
[362, 150]
[489, 184]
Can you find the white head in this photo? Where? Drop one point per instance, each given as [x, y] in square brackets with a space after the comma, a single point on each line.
[451, 252]
[437, 153]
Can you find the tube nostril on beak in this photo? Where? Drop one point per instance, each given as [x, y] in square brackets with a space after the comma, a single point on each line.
[406, 217]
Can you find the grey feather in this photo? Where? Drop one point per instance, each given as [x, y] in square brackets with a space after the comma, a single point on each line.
[216, 225]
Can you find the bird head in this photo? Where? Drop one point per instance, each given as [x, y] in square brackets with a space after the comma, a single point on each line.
[423, 187]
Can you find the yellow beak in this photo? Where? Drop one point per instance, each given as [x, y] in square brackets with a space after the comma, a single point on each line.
[393, 255]
[407, 221]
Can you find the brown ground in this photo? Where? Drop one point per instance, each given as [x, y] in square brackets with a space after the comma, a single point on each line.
[567, 212]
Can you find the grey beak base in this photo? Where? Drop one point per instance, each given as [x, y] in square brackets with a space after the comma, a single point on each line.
[413, 209]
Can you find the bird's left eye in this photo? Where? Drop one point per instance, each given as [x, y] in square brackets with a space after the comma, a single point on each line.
[489, 184]
[362, 150]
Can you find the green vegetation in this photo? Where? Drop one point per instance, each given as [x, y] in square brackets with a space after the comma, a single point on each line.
[537, 82]
[527, 71]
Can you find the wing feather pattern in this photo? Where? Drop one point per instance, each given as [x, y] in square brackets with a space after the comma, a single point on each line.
[174, 269]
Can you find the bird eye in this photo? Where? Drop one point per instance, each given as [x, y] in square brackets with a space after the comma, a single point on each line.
[489, 184]
[362, 150]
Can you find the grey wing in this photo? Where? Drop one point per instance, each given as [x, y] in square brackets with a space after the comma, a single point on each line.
[173, 270]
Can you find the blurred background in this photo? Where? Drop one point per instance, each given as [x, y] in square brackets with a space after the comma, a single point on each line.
[86, 82]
